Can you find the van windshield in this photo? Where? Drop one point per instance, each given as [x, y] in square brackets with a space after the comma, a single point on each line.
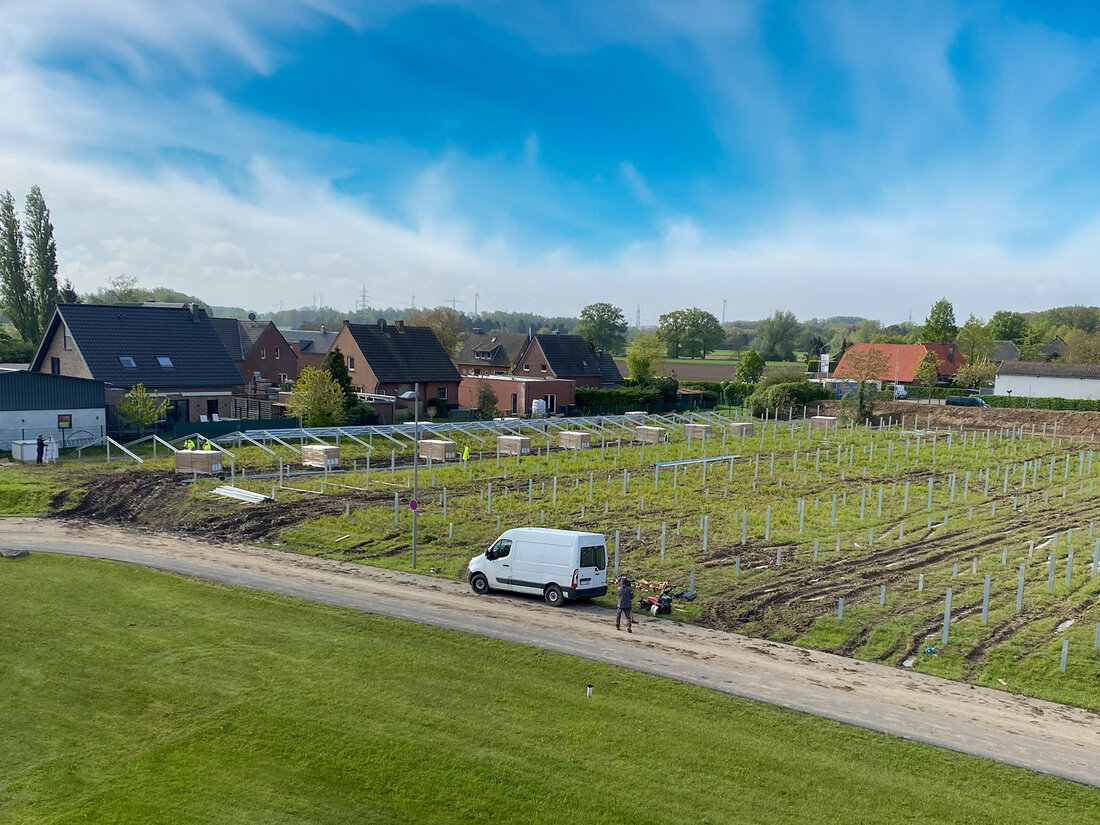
[594, 556]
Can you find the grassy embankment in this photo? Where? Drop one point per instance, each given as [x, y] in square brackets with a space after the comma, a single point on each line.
[134, 696]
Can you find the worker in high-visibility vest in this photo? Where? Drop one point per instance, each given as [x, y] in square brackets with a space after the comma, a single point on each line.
[208, 445]
[466, 454]
[189, 444]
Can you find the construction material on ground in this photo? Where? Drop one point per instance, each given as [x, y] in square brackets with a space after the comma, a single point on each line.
[575, 440]
[199, 462]
[741, 428]
[437, 449]
[514, 445]
[698, 430]
[320, 455]
[649, 435]
[241, 495]
[823, 422]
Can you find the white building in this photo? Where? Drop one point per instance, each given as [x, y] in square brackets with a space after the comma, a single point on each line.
[1048, 380]
[70, 410]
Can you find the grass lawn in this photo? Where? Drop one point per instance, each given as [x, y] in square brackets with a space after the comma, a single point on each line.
[133, 696]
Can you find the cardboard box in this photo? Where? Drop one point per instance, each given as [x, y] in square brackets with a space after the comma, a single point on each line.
[649, 435]
[514, 445]
[823, 422]
[199, 462]
[636, 416]
[698, 431]
[437, 449]
[320, 455]
[575, 440]
[741, 428]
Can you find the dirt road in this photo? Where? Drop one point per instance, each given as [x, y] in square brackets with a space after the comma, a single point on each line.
[1019, 731]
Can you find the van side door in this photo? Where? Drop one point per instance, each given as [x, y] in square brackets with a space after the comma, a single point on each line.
[499, 568]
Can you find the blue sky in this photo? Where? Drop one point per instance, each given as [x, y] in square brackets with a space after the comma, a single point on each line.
[823, 157]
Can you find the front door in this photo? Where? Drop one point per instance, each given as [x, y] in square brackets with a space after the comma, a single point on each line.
[211, 407]
[515, 400]
[499, 568]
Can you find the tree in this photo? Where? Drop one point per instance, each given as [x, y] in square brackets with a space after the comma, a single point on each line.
[980, 372]
[41, 258]
[448, 324]
[939, 327]
[141, 409]
[317, 399]
[603, 327]
[776, 336]
[703, 333]
[123, 289]
[67, 294]
[642, 356]
[927, 372]
[486, 400]
[671, 330]
[16, 290]
[1082, 348]
[337, 367]
[750, 368]
[1007, 326]
[975, 342]
[866, 365]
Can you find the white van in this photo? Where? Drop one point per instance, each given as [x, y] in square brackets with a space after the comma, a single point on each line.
[554, 564]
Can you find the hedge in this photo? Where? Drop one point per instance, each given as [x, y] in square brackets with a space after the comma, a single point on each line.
[1018, 402]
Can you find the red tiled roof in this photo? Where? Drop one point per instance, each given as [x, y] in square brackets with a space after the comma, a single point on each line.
[903, 359]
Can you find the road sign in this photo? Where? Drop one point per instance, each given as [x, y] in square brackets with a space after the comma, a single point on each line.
[413, 504]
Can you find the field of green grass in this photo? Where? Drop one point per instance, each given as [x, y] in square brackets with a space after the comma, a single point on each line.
[134, 696]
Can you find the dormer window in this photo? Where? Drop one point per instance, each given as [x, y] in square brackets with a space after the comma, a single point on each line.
[165, 362]
[482, 354]
[127, 362]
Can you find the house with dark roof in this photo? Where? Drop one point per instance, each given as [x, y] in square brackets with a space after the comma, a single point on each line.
[494, 354]
[902, 361]
[258, 349]
[386, 359]
[1004, 351]
[565, 357]
[311, 345]
[173, 350]
[1055, 349]
[1048, 379]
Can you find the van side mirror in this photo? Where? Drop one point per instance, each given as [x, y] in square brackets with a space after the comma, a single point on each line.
[490, 555]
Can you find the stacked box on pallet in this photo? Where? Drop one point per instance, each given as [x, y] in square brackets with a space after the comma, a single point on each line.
[697, 430]
[514, 445]
[649, 435]
[199, 462]
[740, 428]
[575, 440]
[635, 415]
[320, 455]
[823, 422]
[437, 449]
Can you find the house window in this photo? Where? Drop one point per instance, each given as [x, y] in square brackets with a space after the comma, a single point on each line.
[526, 367]
[542, 367]
[442, 393]
[263, 353]
[128, 362]
[68, 338]
[351, 363]
[282, 377]
[276, 353]
[165, 361]
[55, 366]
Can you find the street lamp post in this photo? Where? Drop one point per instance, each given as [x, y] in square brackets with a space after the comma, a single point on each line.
[414, 396]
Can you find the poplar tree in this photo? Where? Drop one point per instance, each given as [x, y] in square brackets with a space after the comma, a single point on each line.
[17, 297]
[41, 258]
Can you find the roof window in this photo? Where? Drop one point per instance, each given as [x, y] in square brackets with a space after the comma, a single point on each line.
[127, 362]
[165, 361]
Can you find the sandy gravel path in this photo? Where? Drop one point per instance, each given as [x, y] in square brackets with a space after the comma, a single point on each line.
[1029, 733]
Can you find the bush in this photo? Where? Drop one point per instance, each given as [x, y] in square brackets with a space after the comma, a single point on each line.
[782, 375]
[735, 392]
[782, 398]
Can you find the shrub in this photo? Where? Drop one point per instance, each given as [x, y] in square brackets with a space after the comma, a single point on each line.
[781, 398]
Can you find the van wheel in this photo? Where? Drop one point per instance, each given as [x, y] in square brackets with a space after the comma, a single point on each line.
[479, 584]
[553, 595]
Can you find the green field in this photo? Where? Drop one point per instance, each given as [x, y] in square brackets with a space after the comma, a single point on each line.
[134, 696]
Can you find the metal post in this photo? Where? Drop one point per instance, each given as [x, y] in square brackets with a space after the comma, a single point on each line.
[946, 616]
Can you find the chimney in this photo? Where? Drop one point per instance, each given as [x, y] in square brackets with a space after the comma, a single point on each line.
[382, 325]
[400, 325]
[322, 329]
[346, 321]
[194, 308]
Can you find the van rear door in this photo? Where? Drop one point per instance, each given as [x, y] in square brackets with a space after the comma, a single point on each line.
[593, 567]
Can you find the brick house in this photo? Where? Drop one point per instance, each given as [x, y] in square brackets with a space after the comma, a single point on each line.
[389, 360]
[515, 393]
[494, 354]
[902, 361]
[312, 345]
[172, 349]
[258, 350]
[567, 357]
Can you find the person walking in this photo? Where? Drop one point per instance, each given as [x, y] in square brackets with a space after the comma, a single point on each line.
[626, 598]
[41, 445]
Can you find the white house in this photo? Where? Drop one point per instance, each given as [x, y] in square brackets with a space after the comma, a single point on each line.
[70, 410]
[1048, 380]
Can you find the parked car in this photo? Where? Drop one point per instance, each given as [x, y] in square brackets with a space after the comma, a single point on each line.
[964, 401]
[554, 564]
